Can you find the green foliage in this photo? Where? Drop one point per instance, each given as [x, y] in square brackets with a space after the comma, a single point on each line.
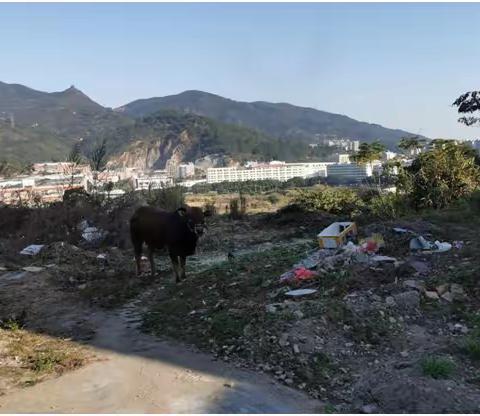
[469, 103]
[472, 347]
[335, 200]
[388, 206]
[410, 144]
[169, 199]
[368, 152]
[438, 177]
[226, 327]
[437, 367]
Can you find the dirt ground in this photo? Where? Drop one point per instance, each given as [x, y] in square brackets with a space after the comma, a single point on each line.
[372, 338]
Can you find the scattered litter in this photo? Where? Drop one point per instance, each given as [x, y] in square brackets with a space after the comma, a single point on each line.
[13, 275]
[458, 244]
[32, 250]
[337, 234]
[300, 292]
[419, 243]
[372, 244]
[93, 234]
[401, 230]
[102, 256]
[33, 269]
[384, 259]
[304, 274]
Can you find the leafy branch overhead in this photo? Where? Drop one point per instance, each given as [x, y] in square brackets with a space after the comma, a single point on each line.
[469, 103]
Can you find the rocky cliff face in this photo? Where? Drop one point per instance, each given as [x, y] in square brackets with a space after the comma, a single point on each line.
[154, 153]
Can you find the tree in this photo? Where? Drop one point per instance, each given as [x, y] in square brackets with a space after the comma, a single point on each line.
[368, 152]
[74, 159]
[469, 103]
[98, 161]
[411, 144]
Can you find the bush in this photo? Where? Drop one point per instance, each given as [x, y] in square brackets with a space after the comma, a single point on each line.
[437, 367]
[169, 199]
[440, 176]
[335, 200]
[388, 206]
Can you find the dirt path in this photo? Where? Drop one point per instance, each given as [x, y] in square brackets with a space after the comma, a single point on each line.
[137, 373]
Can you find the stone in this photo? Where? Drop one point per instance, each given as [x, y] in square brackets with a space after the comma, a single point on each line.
[271, 308]
[414, 284]
[33, 269]
[390, 301]
[404, 354]
[370, 408]
[447, 296]
[283, 341]
[408, 300]
[441, 289]
[296, 349]
[431, 294]
[82, 286]
[298, 314]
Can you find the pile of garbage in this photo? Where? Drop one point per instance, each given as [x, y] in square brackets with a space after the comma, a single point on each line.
[349, 250]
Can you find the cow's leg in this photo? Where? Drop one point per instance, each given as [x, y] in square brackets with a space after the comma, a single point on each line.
[175, 265]
[152, 262]
[137, 247]
[182, 266]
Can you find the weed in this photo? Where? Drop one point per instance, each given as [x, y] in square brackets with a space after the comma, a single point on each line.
[225, 327]
[471, 347]
[437, 367]
[11, 325]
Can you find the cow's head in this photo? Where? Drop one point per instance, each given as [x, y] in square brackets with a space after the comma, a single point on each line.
[195, 219]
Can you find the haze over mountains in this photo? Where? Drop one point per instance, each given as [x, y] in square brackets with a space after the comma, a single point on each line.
[37, 126]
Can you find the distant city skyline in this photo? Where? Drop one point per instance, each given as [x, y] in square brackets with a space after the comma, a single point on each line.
[400, 65]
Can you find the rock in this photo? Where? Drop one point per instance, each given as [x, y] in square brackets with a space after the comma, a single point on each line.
[390, 301]
[430, 294]
[408, 300]
[82, 286]
[441, 289]
[296, 349]
[283, 341]
[419, 266]
[447, 296]
[298, 314]
[414, 284]
[271, 308]
[404, 354]
[370, 408]
[457, 291]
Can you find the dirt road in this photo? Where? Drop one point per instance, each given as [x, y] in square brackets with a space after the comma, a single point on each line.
[137, 373]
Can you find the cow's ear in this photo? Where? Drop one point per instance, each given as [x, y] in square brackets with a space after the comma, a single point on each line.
[182, 211]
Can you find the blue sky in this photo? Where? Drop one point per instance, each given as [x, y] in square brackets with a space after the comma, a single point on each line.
[399, 65]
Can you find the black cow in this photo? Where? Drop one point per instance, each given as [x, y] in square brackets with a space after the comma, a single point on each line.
[178, 231]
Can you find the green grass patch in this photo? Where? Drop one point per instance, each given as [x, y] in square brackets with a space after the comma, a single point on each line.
[437, 367]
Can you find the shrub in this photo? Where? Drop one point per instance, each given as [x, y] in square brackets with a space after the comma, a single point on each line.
[335, 200]
[388, 206]
[169, 198]
[437, 367]
[440, 176]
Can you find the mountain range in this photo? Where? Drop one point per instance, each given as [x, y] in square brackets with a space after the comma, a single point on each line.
[38, 126]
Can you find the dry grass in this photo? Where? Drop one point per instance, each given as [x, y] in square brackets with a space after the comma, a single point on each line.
[27, 358]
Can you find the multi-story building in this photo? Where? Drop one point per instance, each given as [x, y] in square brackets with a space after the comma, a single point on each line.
[185, 170]
[45, 188]
[349, 171]
[343, 158]
[275, 170]
[158, 179]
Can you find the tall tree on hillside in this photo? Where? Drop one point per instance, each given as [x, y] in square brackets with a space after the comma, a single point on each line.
[411, 144]
[469, 103]
[74, 159]
[368, 153]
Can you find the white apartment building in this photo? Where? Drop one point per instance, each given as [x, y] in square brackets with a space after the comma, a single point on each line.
[156, 180]
[280, 171]
[343, 158]
[186, 170]
[349, 171]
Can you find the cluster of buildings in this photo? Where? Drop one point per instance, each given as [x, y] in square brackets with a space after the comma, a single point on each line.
[347, 145]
